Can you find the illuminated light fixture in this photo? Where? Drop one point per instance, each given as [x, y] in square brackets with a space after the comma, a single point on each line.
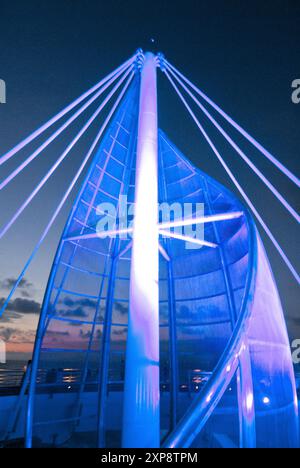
[101, 235]
[202, 220]
[167, 225]
[192, 240]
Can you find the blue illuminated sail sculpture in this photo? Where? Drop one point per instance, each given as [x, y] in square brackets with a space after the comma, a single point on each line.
[219, 312]
[173, 336]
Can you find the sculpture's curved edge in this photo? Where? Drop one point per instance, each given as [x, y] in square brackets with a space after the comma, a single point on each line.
[203, 406]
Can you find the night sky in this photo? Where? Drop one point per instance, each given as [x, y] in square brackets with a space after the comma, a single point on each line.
[244, 57]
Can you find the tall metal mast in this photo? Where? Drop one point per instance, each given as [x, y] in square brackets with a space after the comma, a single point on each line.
[141, 426]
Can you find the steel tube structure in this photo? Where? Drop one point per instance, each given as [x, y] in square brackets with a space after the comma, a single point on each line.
[202, 407]
[63, 112]
[173, 350]
[106, 344]
[65, 197]
[141, 425]
[62, 157]
[241, 130]
[65, 125]
[42, 319]
[244, 384]
[237, 184]
[174, 235]
[264, 179]
[210, 317]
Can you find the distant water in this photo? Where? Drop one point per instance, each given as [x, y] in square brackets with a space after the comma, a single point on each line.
[11, 373]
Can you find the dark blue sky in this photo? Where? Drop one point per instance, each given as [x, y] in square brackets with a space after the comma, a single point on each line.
[244, 57]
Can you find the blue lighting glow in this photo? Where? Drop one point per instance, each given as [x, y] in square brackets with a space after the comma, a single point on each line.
[125, 323]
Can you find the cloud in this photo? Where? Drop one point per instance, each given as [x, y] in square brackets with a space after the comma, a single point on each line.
[8, 283]
[295, 320]
[118, 332]
[55, 332]
[69, 302]
[17, 336]
[77, 308]
[22, 305]
[6, 333]
[24, 294]
[75, 324]
[86, 335]
[6, 318]
[79, 312]
[55, 336]
[123, 309]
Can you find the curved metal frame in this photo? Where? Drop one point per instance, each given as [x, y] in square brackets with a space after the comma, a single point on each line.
[235, 359]
[202, 407]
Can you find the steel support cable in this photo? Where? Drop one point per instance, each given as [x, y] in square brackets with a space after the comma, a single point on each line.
[67, 109]
[66, 195]
[65, 125]
[236, 183]
[241, 130]
[270, 186]
[63, 156]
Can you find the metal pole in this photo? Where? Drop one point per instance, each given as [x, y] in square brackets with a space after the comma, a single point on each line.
[141, 426]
